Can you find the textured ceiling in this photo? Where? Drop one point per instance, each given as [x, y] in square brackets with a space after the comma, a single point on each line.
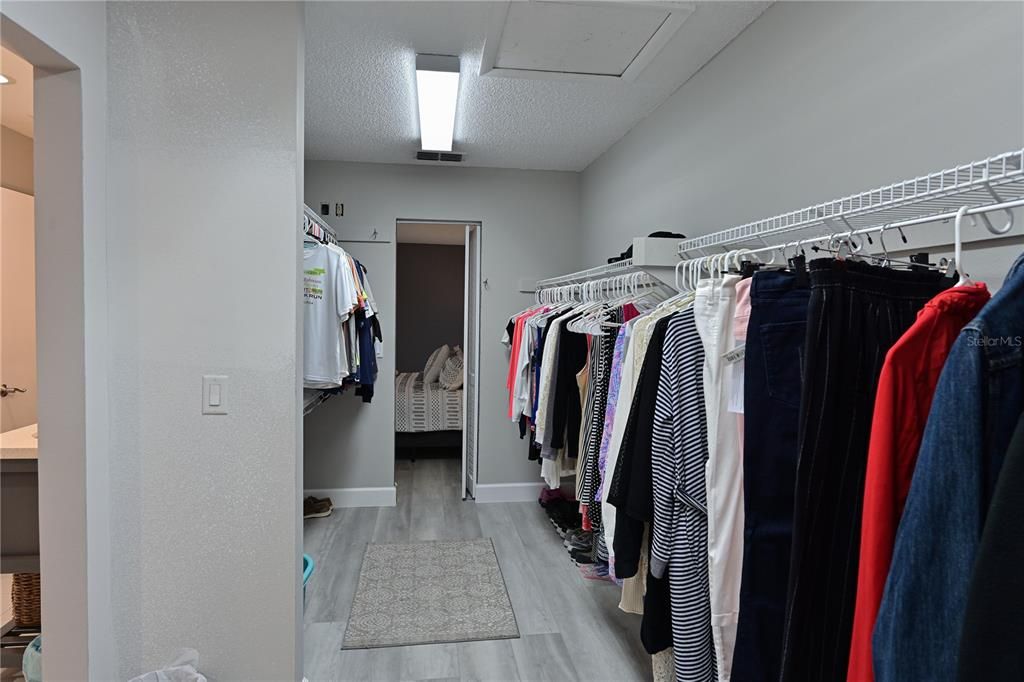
[360, 86]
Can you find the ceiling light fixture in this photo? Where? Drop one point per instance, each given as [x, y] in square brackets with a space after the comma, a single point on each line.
[437, 90]
[4, 80]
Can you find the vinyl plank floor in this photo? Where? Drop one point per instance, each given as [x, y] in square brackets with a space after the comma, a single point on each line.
[528, 603]
[570, 628]
[543, 658]
[321, 644]
[488, 661]
[394, 523]
[430, 662]
[370, 665]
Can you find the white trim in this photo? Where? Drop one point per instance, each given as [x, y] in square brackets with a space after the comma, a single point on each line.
[508, 492]
[357, 497]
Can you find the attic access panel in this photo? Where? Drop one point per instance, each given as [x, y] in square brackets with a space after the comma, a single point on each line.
[568, 39]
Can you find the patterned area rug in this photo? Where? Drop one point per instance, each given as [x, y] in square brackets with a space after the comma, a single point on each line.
[428, 593]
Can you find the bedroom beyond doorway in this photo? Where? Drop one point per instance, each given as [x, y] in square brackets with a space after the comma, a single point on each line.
[436, 332]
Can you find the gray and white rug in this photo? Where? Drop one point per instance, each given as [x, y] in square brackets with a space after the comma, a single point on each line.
[427, 593]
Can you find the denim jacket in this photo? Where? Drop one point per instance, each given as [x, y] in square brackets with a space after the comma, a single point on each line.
[977, 402]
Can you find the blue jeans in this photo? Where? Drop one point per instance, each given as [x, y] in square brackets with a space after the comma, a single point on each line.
[977, 402]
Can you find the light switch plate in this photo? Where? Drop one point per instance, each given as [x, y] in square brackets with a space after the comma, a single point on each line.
[215, 394]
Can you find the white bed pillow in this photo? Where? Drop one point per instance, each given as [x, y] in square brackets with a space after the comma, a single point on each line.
[435, 363]
[452, 375]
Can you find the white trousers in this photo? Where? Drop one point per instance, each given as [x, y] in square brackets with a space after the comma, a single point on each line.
[714, 309]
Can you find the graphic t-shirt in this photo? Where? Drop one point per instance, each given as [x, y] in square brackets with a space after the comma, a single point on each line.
[325, 299]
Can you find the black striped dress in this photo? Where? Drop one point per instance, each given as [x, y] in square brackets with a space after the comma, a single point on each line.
[602, 348]
[679, 540]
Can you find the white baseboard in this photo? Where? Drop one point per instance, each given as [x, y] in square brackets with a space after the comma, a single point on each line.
[357, 497]
[508, 492]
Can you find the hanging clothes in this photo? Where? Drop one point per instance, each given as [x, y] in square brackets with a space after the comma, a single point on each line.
[771, 409]
[328, 300]
[905, 388]
[992, 630]
[678, 458]
[978, 400]
[741, 453]
[341, 328]
[714, 309]
[856, 313]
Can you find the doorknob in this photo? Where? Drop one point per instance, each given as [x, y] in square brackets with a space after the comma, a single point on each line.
[6, 390]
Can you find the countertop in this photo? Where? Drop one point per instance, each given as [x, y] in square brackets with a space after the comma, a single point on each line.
[20, 443]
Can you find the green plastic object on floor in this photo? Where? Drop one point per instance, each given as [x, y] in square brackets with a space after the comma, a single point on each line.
[307, 571]
[32, 661]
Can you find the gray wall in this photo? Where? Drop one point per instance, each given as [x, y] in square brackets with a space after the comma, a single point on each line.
[430, 303]
[813, 101]
[205, 160]
[16, 164]
[530, 229]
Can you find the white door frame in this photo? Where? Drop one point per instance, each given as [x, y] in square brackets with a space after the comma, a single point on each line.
[73, 470]
[471, 371]
[472, 384]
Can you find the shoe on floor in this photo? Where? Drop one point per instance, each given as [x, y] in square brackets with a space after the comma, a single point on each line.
[580, 557]
[578, 539]
[315, 507]
[598, 571]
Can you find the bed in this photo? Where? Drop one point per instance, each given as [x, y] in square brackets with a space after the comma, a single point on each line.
[425, 408]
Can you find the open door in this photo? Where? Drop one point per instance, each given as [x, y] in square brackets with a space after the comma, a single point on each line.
[471, 341]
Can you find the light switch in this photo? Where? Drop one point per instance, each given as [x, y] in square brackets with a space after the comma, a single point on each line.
[214, 396]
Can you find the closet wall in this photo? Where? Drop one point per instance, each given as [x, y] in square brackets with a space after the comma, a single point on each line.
[15, 161]
[205, 165]
[530, 229]
[811, 102]
[430, 307]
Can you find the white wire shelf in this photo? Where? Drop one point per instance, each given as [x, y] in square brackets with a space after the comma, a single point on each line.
[621, 267]
[312, 399]
[311, 216]
[994, 180]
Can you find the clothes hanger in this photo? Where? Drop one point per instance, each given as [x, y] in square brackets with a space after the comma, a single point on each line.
[964, 280]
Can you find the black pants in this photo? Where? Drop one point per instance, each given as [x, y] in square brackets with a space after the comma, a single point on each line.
[771, 406]
[856, 313]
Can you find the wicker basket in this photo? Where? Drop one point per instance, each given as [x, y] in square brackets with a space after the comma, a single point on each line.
[26, 597]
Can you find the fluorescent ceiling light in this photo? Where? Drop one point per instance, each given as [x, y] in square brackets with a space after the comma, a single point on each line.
[437, 89]
[4, 80]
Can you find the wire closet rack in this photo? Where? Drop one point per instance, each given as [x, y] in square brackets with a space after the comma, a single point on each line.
[315, 225]
[995, 183]
[621, 267]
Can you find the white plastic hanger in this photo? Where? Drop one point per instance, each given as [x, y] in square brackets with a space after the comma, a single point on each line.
[958, 249]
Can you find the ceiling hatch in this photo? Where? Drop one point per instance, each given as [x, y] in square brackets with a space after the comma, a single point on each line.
[578, 40]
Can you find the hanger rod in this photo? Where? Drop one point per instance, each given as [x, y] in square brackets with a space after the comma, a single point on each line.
[941, 217]
[998, 178]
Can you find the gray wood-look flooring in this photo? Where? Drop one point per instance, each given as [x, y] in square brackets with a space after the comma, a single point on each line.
[570, 628]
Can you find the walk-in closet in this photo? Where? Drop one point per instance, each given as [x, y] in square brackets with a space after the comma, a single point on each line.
[503, 340]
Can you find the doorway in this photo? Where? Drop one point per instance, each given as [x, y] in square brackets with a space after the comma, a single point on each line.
[45, 524]
[436, 350]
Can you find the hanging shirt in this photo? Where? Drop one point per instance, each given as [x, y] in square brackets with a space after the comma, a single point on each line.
[323, 297]
[349, 299]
